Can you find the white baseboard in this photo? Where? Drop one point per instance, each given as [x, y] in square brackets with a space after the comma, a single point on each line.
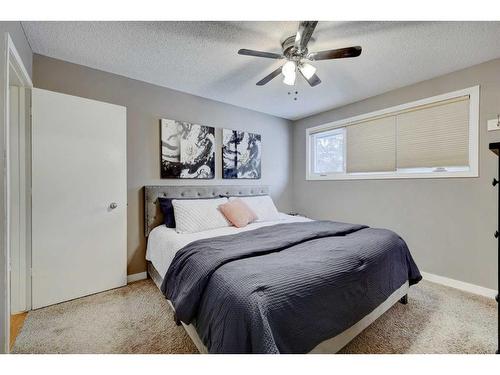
[466, 287]
[137, 277]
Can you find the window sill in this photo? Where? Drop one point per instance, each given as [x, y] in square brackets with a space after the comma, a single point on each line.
[391, 176]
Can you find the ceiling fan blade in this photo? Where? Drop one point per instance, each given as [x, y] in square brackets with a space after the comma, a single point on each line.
[269, 77]
[340, 53]
[313, 80]
[304, 33]
[251, 52]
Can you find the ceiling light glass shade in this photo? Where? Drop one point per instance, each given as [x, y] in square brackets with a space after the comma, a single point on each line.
[307, 70]
[289, 78]
[288, 68]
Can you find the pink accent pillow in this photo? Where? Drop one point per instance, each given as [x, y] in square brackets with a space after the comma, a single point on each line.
[238, 213]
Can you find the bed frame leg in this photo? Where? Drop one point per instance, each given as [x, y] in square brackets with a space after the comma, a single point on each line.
[404, 299]
[176, 320]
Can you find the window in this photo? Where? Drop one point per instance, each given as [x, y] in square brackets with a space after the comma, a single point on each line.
[329, 151]
[433, 137]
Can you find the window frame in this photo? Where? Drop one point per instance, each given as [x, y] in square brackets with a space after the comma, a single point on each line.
[472, 171]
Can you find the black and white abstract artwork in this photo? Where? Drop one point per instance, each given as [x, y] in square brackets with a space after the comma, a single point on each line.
[241, 154]
[187, 150]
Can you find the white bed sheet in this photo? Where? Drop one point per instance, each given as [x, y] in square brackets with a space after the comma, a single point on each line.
[164, 242]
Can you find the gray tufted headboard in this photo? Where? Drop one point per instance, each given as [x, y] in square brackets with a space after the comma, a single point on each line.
[153, 215]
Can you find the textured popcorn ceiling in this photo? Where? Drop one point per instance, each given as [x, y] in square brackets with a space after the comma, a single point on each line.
[200, 57]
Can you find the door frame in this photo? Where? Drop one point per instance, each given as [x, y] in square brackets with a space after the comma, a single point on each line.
[9, 59]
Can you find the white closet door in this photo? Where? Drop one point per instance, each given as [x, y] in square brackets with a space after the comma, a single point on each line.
[79, 241]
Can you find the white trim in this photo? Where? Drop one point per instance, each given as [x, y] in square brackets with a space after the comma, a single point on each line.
[4, 196]
[389, 176]
[9, 57]
[17, 64]
[473, 171]
[25, 82]
[460, 285]
[137, 277]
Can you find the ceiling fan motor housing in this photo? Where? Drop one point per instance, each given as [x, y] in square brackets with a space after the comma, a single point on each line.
[289, 50]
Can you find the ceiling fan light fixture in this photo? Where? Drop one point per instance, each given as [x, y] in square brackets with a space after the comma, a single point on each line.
[295, 51]
[289, 78]
[307, 70]
[289, 68]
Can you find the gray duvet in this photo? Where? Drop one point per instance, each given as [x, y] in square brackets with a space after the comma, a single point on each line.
[285, 288]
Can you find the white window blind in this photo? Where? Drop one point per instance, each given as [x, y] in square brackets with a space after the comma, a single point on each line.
[371, 146]
[434, 136]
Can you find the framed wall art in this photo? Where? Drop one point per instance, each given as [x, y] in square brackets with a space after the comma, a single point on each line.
[187, 150]
[241, 155]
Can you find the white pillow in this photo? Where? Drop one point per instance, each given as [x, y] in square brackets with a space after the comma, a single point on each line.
[263, 207]
[196, 215]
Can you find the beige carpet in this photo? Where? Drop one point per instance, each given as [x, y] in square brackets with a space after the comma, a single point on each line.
[137, 319]
[132, 319]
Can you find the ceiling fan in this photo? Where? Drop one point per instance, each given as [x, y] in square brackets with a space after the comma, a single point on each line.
[297, 55]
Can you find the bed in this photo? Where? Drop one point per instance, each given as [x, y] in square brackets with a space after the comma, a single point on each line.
[291, 286]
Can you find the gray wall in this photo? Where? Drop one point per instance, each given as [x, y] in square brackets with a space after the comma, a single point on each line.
[146, 104]
[447, 223]
[16, 32]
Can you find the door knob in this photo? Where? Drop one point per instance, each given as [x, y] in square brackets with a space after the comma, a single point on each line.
[113, 205]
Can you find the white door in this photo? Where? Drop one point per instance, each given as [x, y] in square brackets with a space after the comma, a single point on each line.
[79, 197]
